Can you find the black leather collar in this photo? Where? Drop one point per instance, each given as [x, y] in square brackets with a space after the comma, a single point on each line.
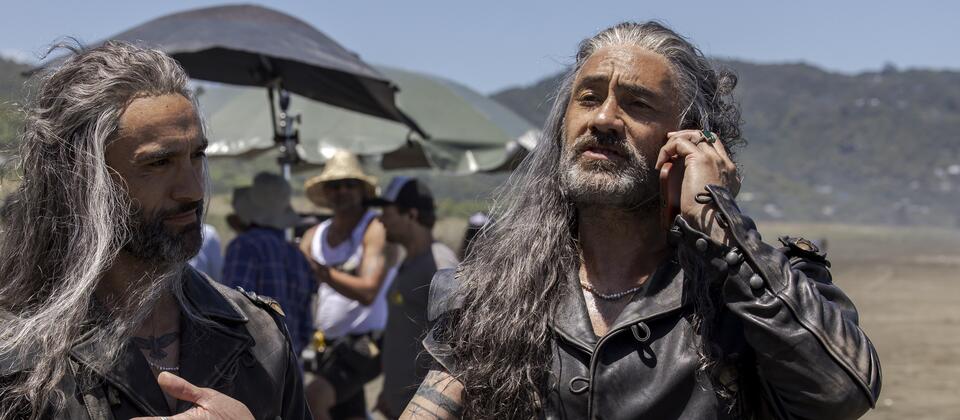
[208, 301]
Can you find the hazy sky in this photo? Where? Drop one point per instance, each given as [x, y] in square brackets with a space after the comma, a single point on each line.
[493, 44]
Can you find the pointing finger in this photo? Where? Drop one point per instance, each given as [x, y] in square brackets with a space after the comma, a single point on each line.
[683, 132]
[179, 388]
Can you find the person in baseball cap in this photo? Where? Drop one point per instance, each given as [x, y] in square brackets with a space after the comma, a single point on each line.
[408, 215]
[406, 195]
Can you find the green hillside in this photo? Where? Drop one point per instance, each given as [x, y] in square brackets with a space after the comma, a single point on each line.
[11, 89]
[878, 147]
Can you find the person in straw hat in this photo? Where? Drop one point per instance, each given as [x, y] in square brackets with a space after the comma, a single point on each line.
[260, 260]
[353, 265]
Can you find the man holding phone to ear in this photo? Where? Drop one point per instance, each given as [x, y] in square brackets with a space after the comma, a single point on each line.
[582, 301]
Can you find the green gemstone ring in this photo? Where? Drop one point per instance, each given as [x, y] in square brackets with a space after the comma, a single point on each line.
[709, 136]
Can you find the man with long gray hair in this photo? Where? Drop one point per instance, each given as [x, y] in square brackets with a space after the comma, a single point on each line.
[100, 316]
[582, 300]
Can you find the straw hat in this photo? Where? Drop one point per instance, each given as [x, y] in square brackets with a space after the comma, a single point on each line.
[342, 165]
[266, 203]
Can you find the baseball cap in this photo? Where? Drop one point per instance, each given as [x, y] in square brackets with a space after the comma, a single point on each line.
[407, 192]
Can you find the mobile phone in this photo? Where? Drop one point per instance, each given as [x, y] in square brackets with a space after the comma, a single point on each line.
[671, 182]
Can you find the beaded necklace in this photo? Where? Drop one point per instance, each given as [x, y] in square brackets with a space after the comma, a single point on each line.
[609, 296]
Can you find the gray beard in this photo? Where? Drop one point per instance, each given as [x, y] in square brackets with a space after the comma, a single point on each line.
[630, 185]
[150, 240]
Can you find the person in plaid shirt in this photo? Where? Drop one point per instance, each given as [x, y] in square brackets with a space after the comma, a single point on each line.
[260, 259]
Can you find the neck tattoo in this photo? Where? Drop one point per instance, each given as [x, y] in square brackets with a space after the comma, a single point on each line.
[156, 345]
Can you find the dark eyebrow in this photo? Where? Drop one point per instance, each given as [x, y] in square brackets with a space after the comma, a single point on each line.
[593, 80]
[155, 156]
[633, 89]
[638, 91]
[167, 153]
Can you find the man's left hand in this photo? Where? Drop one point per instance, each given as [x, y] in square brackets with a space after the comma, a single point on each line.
[706, 162]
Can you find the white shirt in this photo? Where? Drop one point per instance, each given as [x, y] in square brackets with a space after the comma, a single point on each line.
[338, 315]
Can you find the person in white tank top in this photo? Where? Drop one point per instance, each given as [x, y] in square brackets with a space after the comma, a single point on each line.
[337, 314]
[349, 254]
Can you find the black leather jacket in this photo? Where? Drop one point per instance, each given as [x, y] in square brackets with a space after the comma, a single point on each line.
[245, 355]
[793, 349]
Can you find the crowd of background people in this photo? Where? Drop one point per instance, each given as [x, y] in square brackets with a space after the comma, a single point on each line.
[353, 288]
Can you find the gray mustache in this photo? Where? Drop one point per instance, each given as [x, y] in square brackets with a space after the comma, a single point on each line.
[607, 141]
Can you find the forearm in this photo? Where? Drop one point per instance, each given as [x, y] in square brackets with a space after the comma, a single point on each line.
[363, 289]
[816, 360]
[439, 397]
[810, 352]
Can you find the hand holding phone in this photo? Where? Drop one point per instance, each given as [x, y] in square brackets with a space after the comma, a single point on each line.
[688, 162]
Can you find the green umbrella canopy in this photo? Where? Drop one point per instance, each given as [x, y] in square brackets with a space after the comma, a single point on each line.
[468, 131]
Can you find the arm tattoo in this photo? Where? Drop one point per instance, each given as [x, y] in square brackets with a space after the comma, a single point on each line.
[156, 345]
[430, 402]
[442, 401]
[420, 411]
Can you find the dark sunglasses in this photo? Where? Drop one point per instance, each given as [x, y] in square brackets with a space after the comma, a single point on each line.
[342, 183]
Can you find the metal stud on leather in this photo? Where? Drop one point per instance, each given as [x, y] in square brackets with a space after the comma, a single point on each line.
[701, 244]
[733, 257]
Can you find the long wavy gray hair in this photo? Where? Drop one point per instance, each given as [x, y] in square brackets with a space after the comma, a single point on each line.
[510, 285]
[67, 221]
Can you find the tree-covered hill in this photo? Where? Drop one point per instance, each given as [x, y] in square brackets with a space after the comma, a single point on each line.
[874, 147]
[11, 90]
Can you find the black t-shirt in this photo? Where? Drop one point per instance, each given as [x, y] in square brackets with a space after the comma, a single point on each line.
[403, 367]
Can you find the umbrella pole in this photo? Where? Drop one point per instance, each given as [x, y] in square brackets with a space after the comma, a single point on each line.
[283, 136]
[286, 127]
[286, 137]
[273, 112]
